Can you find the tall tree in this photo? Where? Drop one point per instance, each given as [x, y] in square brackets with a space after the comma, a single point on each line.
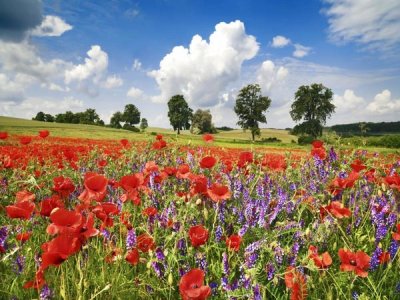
[48, 118]
[40, 116]
[143, 124]
[116, 120]
[131, 115]
[202, 122]
[179, 113]
[89, 116]
[313, 105]
[250, 107]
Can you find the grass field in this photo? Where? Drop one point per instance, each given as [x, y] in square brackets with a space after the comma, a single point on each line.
[236, 138]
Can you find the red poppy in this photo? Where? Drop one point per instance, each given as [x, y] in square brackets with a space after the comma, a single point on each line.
[357, 166]
[339, 184]
[124, 143]
[393, 181]
[199, 184]
[95, 187]
[25, 140]
[208, 138]
[3, 135]
[44, 133]
[145, 242]
[24, 195]
[47, 205]
[87, 229]
[104, 212]
[198, 235]
[150, 211]
[296, 282]
[20, 210]
[133, 257]
[159, 137]
[384, 257]
[208, 162]
[275, 162]
[38, 282]
[319, 152]
[183, 171]
[321, 261]
[233, 242]
[317, 144]
[170, 171]
[191, 286]
[218, 192]
[64, 221]
[102, 163]
[131, 184]
[336, 209]
[396, 235]
[354, 262]
[23, 237]
[63, 186]
[245, 157]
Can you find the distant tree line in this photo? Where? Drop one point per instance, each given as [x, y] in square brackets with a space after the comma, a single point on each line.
[366, 128]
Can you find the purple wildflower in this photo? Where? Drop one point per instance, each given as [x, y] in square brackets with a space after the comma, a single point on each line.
[131, 239]
[45, 293]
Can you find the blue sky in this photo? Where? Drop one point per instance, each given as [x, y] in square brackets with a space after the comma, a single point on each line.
[72, 55]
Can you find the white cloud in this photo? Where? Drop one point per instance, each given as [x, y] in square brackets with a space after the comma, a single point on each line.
[113, 82]
[348, 101]
[30, 106]
[280, 41]
[137, 65]
[301, 51]
[269, 75]
[51, 26]
[10, 90]
[135, 93]
[94, 67]
[383, 103]
[203, 71]
[372, 23]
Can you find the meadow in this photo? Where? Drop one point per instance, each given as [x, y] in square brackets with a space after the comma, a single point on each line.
[96, 213]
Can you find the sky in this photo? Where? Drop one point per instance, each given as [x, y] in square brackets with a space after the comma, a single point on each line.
[73, 55]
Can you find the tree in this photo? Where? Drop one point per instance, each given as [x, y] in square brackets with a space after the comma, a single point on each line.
[250, 107]
[143, 124]
[48, 118]
[202, 122]
[116, 120]
[40, 116]
[131, 115]
[313, 105]
[179, 113]
[89, 116]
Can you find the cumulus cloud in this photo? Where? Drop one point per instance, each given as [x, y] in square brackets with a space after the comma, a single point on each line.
[372, 23]
[51, 26]
[113, 82]
[203, 71]
[10, 90]
[18, 17]
[135, 93]
[348, 101]
[280, 41]
[269, 75]
[94, 67]
[383, 103]
[301, 51]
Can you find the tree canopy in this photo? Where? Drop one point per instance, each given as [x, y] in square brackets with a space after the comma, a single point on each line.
[250, 107]
[116, 119]
[131, 115]
[143, 124]
[179, 113]
[202, 122]
[313, 105]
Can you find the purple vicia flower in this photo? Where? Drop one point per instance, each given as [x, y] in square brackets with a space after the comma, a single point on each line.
[256, 292]
[295, 251]
[157, 267]
[45, 293]
[131, 239]
[374, 262]
[201, 262]
[278, 255]
[160, 254]
[19, 264]
[393, 247]
[270, 269]
[225, 264]
[3, 238]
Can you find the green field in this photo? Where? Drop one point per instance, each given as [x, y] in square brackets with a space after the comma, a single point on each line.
[235, 138]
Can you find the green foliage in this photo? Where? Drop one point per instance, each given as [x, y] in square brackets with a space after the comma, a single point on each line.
[313, 105]
[271, 140]
[48, 118]
[143, 124]
[131, 115]
[116, 119]
[89, 117]
[369, 128]
[386, 141]
[179, 113]
[202, 122]
[250, 107]
[305, 140]
[224, 128]
[39, 116]
[130, 128]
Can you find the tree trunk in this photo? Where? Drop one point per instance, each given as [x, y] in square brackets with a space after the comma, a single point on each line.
[252, 135]
[179, 132]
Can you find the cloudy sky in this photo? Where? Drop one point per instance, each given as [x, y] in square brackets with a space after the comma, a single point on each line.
[72, 55]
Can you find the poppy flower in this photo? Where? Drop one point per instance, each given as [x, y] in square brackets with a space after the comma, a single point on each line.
[275, 162]
[208, 138]
[24, 195]
[191, 286]
[150, 211]
[317, 144]
[64, 220]
[20, 210]
[198, 235]
[23, 237]
[44, 133]
[233, 242]
[25, 140]
[296, 282]
[321, 261]
[63, 186]
[340, 184]
[104, 212]
[208, 162]
[145, 242]
[384, 257]
[218, 192]
[319, 152]
[131, 184]
[357, 166]
[159, 137]
[3, 135]
[336, 209]
[102, 163]
[183, 171]
[38, 282]
[354, 262]
[396, 235]
[87, 228]
[199, 184]
[47, 205]
[393, 181]
[124, 143]
[245, 157]
[133, 257]
[95, 187]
